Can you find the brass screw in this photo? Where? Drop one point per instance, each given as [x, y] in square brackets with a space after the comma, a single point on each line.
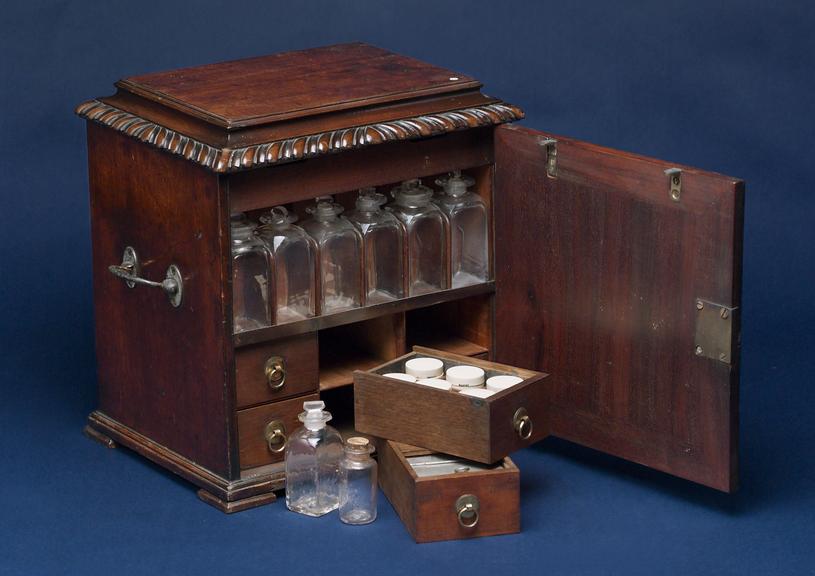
[699, 304]
[676, 180]
[699, 350]
[724, 313]
[723, 357]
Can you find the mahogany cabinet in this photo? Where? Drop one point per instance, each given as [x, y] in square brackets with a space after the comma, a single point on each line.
[617, 275]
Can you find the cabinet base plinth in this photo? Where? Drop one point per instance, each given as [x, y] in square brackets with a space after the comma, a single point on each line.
[237, 505]
[97, 436]
[227, 495]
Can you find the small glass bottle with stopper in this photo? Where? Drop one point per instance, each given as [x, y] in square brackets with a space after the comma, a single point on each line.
[313, 455]
[339, 248]
[467, 213]
[383, 244]
[358, 486]
[293, 254]
[251, 276]
[426, 229]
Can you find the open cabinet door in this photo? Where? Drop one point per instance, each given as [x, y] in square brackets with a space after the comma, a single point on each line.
[620, 276]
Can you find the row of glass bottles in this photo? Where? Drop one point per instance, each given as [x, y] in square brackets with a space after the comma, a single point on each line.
[358, 259]
[323, 475]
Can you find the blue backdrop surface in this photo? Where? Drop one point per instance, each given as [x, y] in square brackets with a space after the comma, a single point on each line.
[725, 86]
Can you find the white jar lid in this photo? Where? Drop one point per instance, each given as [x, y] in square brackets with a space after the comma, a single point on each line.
[435, 383]
[465, 376]
[498, 383]
[424, 367]
[400, 376]
[477, 392]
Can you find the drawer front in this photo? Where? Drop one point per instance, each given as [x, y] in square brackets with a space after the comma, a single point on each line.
[483, 430]
[273, 371]
[450, 506]
[263, 430]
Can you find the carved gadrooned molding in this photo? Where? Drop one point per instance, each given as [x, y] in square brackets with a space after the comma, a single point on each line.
[279, 151]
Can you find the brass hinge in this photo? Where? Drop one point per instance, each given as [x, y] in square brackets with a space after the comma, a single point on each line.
[550, 147]
[674, 183]
[714, 331]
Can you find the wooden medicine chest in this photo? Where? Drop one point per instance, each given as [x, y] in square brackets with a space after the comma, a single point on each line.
[616, 275]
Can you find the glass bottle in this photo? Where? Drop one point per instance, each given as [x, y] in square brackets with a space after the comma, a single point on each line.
[339, 250]
[358, 486]
[293, 258]
[426, 230]
[467, 214]
[383, 245]
[251, 277]
[313, 455]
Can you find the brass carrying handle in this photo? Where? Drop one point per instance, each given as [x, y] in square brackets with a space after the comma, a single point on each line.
[275, 370]
[275, 435]
[129, 271]
[522, 423]
[467, 510]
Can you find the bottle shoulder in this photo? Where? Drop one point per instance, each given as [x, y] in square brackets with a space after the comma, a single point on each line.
[323, 231]
[453, 204]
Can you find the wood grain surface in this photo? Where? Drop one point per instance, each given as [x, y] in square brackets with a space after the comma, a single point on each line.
[598, 271]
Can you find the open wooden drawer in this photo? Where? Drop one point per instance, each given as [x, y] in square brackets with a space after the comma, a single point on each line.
[484, 430]
[445, 498]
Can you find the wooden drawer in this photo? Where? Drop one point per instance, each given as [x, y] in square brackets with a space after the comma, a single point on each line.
[484, 430]
[430, 497]
[258, 370]
[256, 425]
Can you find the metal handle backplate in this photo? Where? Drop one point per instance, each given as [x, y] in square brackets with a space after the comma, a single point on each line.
[129, 271]
[275, 435]
[275, 371]
[467, 508]
[522, 423]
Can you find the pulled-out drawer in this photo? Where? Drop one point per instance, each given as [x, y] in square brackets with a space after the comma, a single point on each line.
[480, 429]
[439, 497]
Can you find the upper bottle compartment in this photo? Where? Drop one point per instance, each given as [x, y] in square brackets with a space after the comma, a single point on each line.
[331, 261]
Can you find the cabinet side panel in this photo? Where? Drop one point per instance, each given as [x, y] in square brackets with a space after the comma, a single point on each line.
[598, 272]
[163, 371]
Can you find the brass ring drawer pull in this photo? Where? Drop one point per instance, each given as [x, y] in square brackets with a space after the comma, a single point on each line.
[275, 370]
[275, 434]
[522, 423]
[129, 271]
[467, 510]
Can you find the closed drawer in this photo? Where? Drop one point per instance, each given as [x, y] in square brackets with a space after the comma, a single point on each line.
[264, 430]
[440, 498]
[484, 430]
[273, 371]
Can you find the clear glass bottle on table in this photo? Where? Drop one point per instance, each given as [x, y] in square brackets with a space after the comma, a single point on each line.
[251, 277]
[293, 257]
[383, 245]
[467, 214]
[426, 230]
[358, 487]
[339, 257]
[312, 464]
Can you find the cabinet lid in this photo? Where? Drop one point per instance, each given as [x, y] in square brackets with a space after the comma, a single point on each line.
[287, 106]
[620, 276]
[287, 85]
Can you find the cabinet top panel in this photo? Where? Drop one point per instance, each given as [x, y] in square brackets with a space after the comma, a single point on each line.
[289, 85]
[285, 107]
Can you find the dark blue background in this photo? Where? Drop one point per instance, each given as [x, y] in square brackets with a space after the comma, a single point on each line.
[726, 86]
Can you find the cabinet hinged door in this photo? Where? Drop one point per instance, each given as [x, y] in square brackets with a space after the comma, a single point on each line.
[620, 276]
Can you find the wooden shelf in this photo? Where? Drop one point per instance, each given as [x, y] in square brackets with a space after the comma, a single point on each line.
[360, 314]
[336, 372]
[449, 343]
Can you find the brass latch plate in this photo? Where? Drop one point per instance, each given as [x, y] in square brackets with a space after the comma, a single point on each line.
[714, 331]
